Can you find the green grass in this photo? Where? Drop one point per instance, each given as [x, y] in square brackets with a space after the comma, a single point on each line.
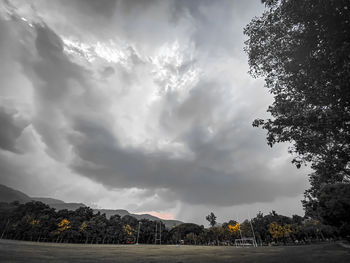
[21, 251]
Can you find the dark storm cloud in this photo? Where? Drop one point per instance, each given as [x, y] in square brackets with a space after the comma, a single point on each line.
[10, 130]
[12, 123]
[137, 5]
[224, 161]
[100, 7]
[54, 67]
[55, 72]
[191, 181]
[9, 172]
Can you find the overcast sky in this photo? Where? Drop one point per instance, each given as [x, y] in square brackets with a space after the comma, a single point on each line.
[140, 105]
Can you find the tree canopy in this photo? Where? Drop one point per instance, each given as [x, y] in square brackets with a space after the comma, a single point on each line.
[334, 206]
[302, 49]
[36, 221]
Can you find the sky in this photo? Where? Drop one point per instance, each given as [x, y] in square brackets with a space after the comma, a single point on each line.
[139, 105]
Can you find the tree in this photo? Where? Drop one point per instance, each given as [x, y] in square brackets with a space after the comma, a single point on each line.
[191, 238]
[216, 233]
[334, 206]
[38, 222]
[129, 233]
[116, 228]
[179, 232]
[211, 218]
[276, 231]
[302, 50]
[233, 228]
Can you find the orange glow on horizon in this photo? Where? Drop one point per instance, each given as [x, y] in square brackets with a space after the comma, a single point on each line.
[166, 216]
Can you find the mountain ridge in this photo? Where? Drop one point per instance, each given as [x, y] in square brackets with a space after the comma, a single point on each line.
[8, 195]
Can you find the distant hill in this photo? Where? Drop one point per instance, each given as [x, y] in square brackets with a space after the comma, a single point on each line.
[122, 212]
[111, 212]
[9, 195]
[47, 200]
[68, 206]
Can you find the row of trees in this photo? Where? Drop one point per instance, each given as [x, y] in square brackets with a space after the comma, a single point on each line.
[275, 228]
[35, 221]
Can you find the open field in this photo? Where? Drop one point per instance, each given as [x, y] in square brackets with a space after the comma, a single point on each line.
[20, 251]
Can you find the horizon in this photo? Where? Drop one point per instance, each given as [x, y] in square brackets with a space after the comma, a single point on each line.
[163, 216]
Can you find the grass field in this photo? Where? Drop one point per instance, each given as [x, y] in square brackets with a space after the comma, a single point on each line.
[20, 251]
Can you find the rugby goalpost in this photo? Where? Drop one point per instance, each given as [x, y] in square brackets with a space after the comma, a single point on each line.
[158, 236]
[246, 241]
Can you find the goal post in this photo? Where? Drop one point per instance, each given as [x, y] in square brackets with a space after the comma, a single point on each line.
[246, 241]
[158, 235]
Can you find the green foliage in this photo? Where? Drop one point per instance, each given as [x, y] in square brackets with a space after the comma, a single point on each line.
[191, 238]
[36, 221]
[334, 206]
[302, 50]
[179, 232]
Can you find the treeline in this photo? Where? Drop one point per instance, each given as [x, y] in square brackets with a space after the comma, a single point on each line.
[35, 221]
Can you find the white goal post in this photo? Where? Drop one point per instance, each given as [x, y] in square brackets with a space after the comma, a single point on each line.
[246, 241]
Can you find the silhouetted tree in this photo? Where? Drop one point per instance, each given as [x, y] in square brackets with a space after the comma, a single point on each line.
[334, 206]
[211, 218]
[302, 50]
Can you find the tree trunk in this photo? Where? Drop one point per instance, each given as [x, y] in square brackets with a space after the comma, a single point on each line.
[3, 232]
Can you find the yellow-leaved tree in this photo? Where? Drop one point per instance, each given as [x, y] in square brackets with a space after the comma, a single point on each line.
[129, 233]
[287, 229]
[277, 231]
[63, 225]
[128, 230]
[233, 228]
[83, 226]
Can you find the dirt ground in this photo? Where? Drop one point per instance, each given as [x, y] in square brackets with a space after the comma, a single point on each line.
[22, 251]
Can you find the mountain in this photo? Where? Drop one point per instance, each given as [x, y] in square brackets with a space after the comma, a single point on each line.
[9, 195]
[47, 200]
[68, 206]
[58, 204]
[121, 212]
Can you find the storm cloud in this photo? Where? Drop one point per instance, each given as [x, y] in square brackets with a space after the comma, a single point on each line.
[145, 105]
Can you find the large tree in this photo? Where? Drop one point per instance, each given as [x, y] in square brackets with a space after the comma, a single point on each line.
[302, 49]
